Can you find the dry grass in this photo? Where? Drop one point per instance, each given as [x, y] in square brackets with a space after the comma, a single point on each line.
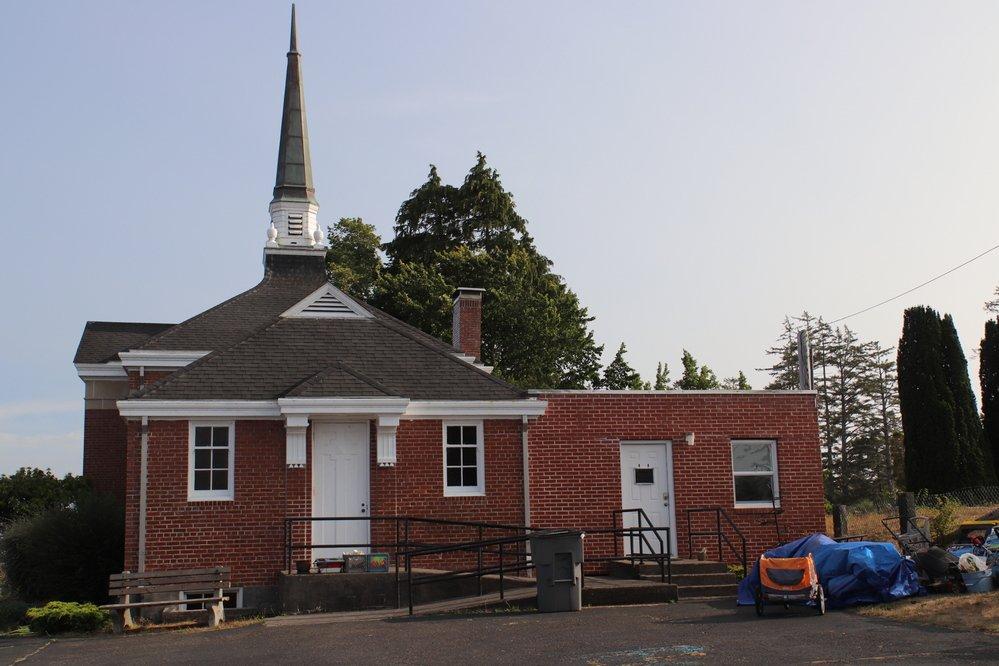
[979, 612]
[869, 524]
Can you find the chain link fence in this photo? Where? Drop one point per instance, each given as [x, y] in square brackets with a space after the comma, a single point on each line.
[945, 511]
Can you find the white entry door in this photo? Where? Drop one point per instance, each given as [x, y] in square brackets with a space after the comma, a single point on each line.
[647, 483]
[340, 466]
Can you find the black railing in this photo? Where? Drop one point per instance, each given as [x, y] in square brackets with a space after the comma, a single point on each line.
[718, 533]
[508, 553]
[662, 555]
[911, 537]
[512, 556]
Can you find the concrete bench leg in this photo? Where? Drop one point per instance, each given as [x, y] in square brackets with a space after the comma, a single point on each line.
[122, 620]
[216, 614]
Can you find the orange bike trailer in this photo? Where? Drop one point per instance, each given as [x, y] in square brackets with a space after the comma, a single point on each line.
[789, 580]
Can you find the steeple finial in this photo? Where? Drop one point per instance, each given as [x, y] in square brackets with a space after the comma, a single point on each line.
[294, 206]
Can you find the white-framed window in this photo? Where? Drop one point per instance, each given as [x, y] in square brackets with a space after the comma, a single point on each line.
[754, 472]
[464, 464]
[235, 599]
[211, 460]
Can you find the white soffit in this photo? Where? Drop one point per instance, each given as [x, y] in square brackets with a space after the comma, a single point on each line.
[327, 302]
[111, 370]
[159, 358]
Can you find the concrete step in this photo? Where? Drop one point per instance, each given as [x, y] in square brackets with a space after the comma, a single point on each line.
[729, 591]
[624, 568]
[684, 580]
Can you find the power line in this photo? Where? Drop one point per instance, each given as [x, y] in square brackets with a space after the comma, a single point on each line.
[918, 286]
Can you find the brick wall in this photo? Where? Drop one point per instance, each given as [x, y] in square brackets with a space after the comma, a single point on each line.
[104, 451]
[575, 476]
[415, 486]
[248, 532]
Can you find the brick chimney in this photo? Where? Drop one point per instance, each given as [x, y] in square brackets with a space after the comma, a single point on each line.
[466, 324]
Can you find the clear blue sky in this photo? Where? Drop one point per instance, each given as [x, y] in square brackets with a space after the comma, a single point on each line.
[695, 170]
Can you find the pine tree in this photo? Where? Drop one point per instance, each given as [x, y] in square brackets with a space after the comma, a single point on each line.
[884, 424]
[737, 383]
[974, 460]
[927, 406]
[472, 235]
[618, 375]
[695, 377]
[989, 375]
[784, 371]
[662, 377]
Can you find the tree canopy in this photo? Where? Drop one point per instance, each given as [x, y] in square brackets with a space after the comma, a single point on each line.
[472, 236]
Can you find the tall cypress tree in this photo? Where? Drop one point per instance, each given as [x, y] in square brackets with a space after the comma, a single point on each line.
[974, 462]
[927, 406]
[988, 373]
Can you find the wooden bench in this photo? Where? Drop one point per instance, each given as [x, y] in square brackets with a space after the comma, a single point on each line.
[127, 585]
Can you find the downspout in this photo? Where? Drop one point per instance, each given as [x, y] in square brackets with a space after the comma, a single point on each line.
[527, 470]
[143, 467]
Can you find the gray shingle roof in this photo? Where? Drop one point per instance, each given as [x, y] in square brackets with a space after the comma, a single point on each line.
[376, 357]
[259, 355]
[102, 340]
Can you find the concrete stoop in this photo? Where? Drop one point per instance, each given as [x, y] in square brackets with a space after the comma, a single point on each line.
[694, 579]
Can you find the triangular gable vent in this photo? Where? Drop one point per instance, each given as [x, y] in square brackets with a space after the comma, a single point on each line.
[327, 302]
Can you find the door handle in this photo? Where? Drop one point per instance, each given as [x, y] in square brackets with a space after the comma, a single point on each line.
[665, 499]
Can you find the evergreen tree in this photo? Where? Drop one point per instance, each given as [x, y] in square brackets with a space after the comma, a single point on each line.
[927, 406]
[352, 261]
[847, 358]
[883, 422]
[618, 375]
[974, 461]
[737, 383]
[446, 237]
[695, 377]
[784, 371]
[662, 377]
[989, 375]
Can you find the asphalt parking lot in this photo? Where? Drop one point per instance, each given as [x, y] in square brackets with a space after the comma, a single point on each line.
[688, 632]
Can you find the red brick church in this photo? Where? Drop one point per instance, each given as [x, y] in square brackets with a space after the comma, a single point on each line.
[293, 399]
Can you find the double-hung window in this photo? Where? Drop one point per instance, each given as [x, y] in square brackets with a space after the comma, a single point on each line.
[754, 471]
[464, 470]
[211, 461]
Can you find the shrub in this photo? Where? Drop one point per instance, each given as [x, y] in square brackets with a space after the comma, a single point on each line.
[12, 613]
[944, 521]
[65, 553]
[59, 616]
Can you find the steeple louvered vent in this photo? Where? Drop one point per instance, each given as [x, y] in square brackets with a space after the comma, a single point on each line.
[328, 301]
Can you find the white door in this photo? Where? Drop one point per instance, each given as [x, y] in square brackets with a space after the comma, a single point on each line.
[647, 484]
[340, 466]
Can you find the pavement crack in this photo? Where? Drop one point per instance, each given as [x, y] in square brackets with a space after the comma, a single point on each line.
[30, 654]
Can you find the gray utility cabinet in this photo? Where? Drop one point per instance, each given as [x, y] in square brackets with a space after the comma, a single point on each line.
[558, 557]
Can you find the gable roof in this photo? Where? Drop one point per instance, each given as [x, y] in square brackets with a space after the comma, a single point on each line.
[102, 340]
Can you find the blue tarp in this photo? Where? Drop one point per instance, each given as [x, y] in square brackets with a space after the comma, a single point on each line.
[852, 573]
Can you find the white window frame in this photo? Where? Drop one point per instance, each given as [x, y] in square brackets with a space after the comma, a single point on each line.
[211, 495]
[774, 475]
[480, 461]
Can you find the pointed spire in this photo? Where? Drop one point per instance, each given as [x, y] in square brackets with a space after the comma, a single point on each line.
[294, 167]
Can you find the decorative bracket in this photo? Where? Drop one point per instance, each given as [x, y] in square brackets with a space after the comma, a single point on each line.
[387, 426]
[295, 429]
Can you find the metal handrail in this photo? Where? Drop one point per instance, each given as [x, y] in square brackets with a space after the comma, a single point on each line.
[664, 562]
[718, 532]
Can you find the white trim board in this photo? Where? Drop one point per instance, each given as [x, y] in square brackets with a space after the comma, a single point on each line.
[159, 358]
[308, 407]
[677, 392]
[110, 370]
